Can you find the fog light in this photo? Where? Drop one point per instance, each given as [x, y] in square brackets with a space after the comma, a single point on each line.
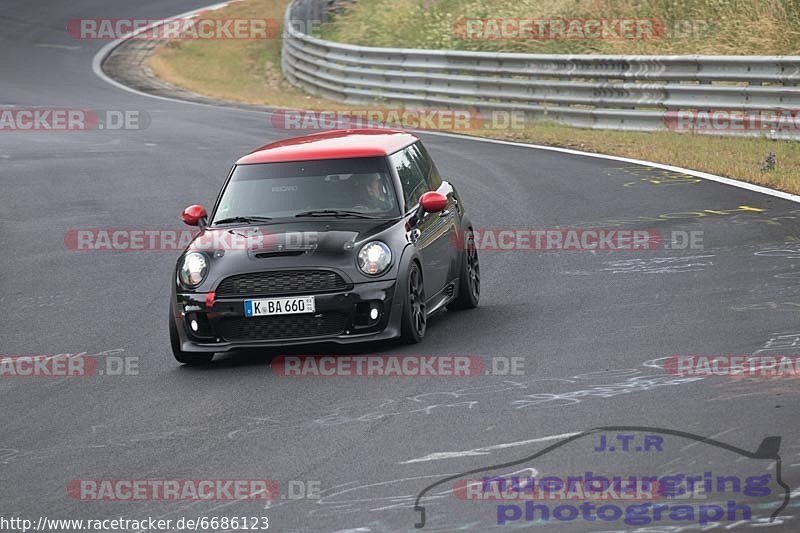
[368, 314]
[198, 327]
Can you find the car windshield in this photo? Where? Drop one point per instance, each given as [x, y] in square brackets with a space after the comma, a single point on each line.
[331, 188]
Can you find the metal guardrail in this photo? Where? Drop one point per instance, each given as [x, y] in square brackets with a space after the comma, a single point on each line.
[596, 91]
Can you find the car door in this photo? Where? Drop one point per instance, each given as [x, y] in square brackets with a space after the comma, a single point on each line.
[430, 234]
[452, 214]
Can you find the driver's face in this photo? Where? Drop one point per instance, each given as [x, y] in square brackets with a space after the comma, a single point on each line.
[374, 189]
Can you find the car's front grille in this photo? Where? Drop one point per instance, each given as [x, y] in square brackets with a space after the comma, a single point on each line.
[283, 327]
[281, 282]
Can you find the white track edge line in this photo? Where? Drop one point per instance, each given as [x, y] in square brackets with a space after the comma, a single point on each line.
[105, 51]
[695, 173]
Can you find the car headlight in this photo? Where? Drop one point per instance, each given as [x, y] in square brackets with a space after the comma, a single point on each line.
[193, 270]
[374, 258]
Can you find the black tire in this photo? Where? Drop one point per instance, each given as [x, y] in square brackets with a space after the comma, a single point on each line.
[469, 282]
[187, 358]
[414, 321]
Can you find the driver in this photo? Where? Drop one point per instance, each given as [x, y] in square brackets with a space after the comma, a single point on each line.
[377, 197]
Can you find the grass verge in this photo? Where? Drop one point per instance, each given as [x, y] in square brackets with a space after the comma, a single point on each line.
[249, 71]
[729, 27]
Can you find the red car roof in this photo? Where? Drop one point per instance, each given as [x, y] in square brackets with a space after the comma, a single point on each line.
[336, 144]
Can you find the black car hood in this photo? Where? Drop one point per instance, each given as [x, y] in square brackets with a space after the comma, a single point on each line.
[307, 243]
[328, 236]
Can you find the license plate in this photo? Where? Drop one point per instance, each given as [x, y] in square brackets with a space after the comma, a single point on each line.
[279, 306]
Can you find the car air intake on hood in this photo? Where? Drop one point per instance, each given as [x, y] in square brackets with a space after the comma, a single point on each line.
[284, 253]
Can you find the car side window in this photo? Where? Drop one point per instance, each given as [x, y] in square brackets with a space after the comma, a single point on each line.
[428, 168]
[411, 177]
[417, 154]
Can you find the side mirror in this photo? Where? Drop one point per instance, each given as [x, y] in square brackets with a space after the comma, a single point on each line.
[194, 215]
[433, 202]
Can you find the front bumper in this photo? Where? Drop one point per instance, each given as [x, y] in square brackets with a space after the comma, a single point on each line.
[339, 318]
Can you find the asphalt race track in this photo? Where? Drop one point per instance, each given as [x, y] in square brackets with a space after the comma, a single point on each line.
[591, 328]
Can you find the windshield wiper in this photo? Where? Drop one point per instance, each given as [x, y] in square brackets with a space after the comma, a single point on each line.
[332, 212]
[246, 220]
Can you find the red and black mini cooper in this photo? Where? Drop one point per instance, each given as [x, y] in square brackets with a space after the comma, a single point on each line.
[343, 236]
